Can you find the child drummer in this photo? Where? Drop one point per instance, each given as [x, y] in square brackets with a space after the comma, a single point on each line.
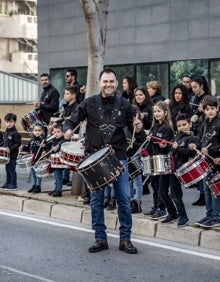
[35, 146]
[58, 172]
[12, 142]
[211, 147]
[182, 149]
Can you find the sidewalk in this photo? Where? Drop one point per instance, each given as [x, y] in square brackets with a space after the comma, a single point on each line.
[70, 208]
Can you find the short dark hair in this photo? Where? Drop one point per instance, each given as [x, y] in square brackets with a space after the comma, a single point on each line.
[107, 71]
[45, 74]
[187, 75]
[72, 71]
[209, 101]
[39, 124]
[10, 116]
[58, 126]
[73, 89]
[182, 116]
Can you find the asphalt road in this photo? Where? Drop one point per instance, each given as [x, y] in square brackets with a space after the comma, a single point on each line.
[39, 251]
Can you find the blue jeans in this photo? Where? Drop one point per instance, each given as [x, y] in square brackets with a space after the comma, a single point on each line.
[35, 179]
[66, 173]
[121, 187]
[212, 203]
[109, 192]
[136, 188]
[58, 173]
[176, 194]
[11, 175]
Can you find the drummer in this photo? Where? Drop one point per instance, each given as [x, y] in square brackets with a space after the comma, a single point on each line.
[71, 94]
[210, 136]
[49, 101]
[182, 149]
[35, 146]
[107, 115]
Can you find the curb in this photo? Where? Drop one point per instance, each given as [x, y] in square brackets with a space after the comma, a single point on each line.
[141, 225]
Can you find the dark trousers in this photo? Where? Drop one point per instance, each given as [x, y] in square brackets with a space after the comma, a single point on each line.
[158, 203]
[11, 175]
[176, 195]
[164, 194]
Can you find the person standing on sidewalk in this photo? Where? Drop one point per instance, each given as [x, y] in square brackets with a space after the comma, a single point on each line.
[12, 142]
[211, 146]
[182, 150]
[116, 114]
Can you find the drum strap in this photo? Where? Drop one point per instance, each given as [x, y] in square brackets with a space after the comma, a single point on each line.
[107, 130]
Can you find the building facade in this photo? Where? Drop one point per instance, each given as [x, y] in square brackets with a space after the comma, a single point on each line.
[18, 33]
[151, 40]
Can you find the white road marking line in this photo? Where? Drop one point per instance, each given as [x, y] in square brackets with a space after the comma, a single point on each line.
[25, 273]
[140, 241]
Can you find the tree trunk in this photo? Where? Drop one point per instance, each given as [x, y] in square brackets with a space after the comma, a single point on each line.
[95, 13]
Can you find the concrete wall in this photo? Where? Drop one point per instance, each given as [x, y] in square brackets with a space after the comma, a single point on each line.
[139, 31]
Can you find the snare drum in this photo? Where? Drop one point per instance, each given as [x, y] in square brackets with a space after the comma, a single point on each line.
[193, 171]
[30, 119]
[157, 165]
[25, 162]
[100, 169]
[214, 184]
[135, 167]
[72, 153]
[43, 168]
[4, 156]
[56, 161]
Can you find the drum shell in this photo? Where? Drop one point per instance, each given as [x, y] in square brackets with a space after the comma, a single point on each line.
[43, 168]
[25, 162]
[100, 171]
[157, 165]
[214, 184]
[72, 153]
[29, 120]
[56, 162]
[135, 167]
[4, 156]
[193, 171]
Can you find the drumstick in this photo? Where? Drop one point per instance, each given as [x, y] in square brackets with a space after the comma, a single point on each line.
[200, 153]
[196, 105]
[133, 134]
[76, 127]
[162, 140]
[139, 150]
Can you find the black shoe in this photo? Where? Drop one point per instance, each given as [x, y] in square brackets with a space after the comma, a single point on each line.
[112, 205]
[65, 181]
[159, 214]
[86, 201]
[51, 192]
[11, 187]
[136, 206]
[5, 185]
[127, 246]
[151, 211]
[98, 246]
[57, 194]
[37, 189]
[32, 189]
[69, 183]
[170, 219]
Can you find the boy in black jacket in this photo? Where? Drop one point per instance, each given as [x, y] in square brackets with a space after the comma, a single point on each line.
[12, 142]
[182, 150]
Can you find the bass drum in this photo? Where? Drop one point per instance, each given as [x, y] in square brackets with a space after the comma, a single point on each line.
[100, 169]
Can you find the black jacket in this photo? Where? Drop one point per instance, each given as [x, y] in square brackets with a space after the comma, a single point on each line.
[87, 109]
[163, 131]
[182, 153]
[147, 111]
[34, 145]
[12, 140]
[157, 97]
[49, 103]
[210, 134]
[177, 109]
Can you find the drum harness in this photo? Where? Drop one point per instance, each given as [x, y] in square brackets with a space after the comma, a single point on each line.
[107, 130]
